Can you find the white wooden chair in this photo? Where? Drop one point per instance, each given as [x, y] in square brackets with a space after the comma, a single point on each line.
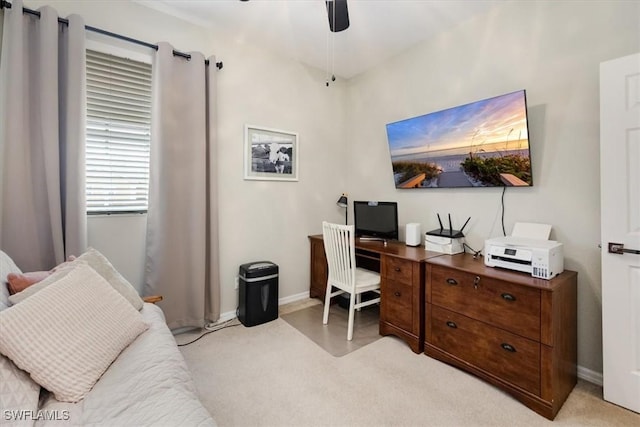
[339, 246]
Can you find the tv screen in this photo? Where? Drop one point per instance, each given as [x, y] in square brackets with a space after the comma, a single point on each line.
[376, 219]
[481, 144]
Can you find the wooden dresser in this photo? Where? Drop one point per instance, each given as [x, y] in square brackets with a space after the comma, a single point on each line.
[402, 273]
[512, 330]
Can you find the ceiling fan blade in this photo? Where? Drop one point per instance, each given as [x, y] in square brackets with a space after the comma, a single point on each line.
[338, 18]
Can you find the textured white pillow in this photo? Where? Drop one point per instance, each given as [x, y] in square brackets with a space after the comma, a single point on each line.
[100, 264]
[67, 334]
[18, 393]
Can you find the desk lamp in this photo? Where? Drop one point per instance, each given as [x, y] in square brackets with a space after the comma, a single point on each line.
[343, 203]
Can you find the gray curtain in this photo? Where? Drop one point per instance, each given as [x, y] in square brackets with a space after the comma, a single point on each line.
[182, 230]
[42, 137]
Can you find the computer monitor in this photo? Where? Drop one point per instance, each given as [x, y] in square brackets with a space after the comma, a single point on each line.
[376, 219]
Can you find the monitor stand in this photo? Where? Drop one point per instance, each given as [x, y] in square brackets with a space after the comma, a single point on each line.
[373, 239]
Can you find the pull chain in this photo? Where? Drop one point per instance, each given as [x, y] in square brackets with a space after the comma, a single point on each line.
[332, 53]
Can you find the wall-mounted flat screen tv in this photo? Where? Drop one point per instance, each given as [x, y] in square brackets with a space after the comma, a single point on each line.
[481, 144]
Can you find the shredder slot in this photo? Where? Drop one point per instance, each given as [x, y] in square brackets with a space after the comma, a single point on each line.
[258, 279]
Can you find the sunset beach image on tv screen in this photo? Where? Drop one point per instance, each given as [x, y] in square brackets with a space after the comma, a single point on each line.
[481, 144]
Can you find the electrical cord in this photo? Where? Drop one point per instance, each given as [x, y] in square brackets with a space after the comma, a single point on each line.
[210, 329]
[475, 253]
[504, 190]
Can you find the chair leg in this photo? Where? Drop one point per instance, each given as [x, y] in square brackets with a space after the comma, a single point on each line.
[327, 303]
[358, 300]
[352, 310]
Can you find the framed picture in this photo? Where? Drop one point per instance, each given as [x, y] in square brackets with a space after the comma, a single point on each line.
[270, 154]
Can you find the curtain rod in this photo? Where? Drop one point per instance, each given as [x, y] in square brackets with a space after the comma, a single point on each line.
[6, 4]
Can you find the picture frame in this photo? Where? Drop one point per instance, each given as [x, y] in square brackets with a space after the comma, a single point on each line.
[270, 154]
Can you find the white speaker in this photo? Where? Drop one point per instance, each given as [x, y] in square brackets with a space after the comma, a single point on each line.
[412, 234]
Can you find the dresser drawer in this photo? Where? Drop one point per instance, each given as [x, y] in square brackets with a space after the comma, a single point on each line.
[400, 269]
[396, 304]
[511, 307]
[498, 352]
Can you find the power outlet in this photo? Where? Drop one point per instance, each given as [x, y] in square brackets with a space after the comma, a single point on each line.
[236, 282]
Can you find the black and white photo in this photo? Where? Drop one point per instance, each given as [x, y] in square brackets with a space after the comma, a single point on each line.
[270, 154]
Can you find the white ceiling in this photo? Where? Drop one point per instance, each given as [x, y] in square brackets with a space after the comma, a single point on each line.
[299, 29]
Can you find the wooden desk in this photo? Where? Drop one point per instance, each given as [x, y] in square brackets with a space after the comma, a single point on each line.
[402, 278]
[514, 331]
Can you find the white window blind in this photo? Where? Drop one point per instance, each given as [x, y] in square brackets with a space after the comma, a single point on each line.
[118, 133]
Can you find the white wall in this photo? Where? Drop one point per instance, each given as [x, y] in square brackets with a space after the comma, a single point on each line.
[266, 220]
[121, 238]
[259, 220]
[551, 49]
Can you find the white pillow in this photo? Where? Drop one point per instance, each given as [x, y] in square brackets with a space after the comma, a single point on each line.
[67, 334]
[18, 394]
[100, 264]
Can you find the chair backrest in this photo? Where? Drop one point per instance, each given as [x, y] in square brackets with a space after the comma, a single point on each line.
[339, 247]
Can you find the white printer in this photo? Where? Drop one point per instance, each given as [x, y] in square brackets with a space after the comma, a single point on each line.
[535, 255]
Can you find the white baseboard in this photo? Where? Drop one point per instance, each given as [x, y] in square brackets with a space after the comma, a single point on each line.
[228, 315]
[589, 375]
[293, 298]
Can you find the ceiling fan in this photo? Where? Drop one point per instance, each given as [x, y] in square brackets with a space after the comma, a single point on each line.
[338, 15]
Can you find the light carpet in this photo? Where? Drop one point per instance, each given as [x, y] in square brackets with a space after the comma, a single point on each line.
[332, 337]
[273, 375]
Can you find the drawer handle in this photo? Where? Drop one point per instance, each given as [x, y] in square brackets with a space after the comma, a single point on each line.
[452, 282]
[508, 297]
[397, 269]
[476, 282]
[508, 347]
[451, 324]
[396, 293]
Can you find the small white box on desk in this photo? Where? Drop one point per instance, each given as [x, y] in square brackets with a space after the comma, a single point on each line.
[445, 245]
[412, 234]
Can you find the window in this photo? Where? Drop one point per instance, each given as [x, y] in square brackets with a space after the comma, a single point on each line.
[118, 134]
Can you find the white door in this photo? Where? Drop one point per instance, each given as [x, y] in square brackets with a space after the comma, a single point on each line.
[620, 216]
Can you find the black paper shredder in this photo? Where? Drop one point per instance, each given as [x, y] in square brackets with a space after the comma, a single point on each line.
[258, 293]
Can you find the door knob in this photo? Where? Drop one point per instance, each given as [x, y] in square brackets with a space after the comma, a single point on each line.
[619, 249]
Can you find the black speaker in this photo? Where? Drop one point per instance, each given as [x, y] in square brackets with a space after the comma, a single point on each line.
[258, 293]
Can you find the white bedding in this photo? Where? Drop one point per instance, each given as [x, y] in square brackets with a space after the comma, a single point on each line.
[148, 384]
